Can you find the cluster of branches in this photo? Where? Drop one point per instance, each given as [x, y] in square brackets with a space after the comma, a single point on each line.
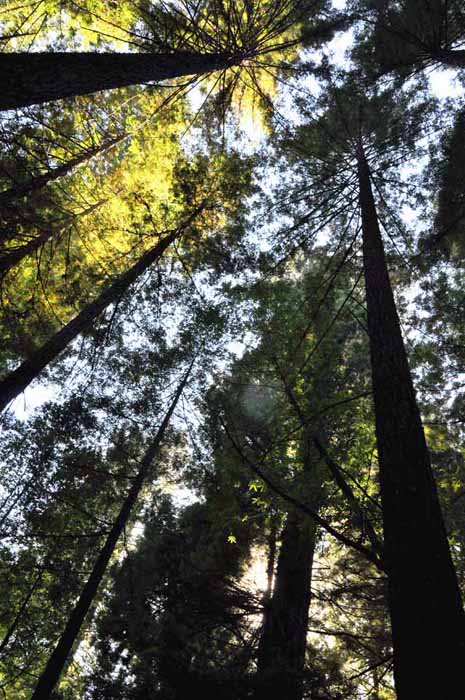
[311, 446]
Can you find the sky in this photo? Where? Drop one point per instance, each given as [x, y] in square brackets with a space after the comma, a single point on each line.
[443, 84]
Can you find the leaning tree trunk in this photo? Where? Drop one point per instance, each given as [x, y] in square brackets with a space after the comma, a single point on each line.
[63, 649]
[281, 654]
[35, 78]
[10, 632]
[11, 257]
[33, 184]
[428, 624]
[15, 382]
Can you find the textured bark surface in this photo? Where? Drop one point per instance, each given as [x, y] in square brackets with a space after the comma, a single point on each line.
[35, 78]
[15, 382]
[283, 642]
[428, 624]
[63, 649]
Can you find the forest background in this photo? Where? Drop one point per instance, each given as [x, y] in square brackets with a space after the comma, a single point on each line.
[232, 349]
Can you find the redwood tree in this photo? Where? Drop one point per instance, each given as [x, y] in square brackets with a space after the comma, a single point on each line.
[428, 623]
[194, 38]
[60, 654]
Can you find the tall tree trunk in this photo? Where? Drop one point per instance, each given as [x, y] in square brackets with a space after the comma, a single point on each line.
[268, 596]
[57, 661]
[17, 619]
[15, 382]
[281, 653]
[21, 189]
[35, 78]
[428, 624]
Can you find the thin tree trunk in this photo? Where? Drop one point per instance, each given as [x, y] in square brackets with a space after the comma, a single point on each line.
[13, 256]
[268, 596]
[428, 624]
[364, 522]
[21, 189]
[35, 78]
[12, 629]
[63, 649]
[271, 561]
[15, 382]
[281, 653]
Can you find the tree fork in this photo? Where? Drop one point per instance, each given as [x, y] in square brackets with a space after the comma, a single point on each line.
[57, 661]
[428, 623]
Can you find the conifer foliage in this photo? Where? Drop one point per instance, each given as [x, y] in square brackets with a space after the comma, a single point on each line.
[232, 448]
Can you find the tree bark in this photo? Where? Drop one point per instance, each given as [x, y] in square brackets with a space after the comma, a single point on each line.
[283, 642]
[63, 649]
[428, 624]
[450, 57]
[22, 189]
[15, 382]
[35, 78]
[271, 561]
[15, 255]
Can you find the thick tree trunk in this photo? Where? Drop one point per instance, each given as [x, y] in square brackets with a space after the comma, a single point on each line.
[15, 382]
[35, 78]
[22, 189]
[428, 624]
[451, 57]
[281, 653]
[283, 642]
[57, 661]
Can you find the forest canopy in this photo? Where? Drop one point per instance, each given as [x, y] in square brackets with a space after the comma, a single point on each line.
[232, 357]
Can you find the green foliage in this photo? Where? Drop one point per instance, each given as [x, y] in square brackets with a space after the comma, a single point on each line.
[406, 36]
[173, 607]
[264, 288]
[449, 175]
